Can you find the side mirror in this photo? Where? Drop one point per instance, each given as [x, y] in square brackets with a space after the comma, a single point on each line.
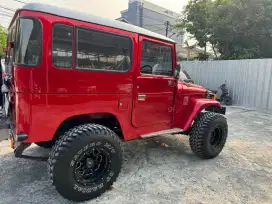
[177, 71]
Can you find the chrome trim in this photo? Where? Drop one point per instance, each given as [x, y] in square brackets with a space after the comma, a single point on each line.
[141, 97]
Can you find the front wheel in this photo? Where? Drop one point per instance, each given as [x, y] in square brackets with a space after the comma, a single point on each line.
[208, 135]
[85, 162]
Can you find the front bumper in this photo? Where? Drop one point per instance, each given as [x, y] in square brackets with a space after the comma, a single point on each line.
[220, 110]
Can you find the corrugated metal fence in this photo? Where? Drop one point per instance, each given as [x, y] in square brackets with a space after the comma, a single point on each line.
[249, 81]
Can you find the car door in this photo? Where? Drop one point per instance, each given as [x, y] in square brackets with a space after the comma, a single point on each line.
[155, 84]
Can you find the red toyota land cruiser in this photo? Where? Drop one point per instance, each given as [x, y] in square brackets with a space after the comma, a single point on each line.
[82, 84]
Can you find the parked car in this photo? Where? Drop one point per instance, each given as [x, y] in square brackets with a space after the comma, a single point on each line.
[81, 84]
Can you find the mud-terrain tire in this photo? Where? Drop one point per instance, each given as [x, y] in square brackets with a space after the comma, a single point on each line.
[208, 135]
[46, 145]
[85, 152]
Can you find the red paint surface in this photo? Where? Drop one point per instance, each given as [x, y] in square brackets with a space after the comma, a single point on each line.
[194, 96]
[46, 96]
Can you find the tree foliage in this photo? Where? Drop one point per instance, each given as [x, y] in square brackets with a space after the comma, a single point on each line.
[236, 29]
[3, 39]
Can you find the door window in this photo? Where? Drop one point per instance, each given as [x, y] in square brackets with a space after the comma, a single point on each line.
[62, 45]
[156, 59]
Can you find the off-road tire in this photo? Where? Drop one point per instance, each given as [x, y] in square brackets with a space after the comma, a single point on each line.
[75, 144]
[46, 145]
[202, 133]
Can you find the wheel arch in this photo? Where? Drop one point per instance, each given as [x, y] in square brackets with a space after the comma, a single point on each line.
[108, 120]
[185, 119]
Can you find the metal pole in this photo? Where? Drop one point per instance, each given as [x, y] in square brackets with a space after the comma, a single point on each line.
[167, 27]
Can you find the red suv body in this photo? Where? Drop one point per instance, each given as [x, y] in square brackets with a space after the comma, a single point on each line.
[47, 93]
[69, 68]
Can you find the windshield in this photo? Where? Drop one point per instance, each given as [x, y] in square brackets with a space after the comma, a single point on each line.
[182, 76]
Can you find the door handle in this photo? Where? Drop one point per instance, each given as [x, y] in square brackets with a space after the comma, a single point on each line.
[170, 83]
[141, 97]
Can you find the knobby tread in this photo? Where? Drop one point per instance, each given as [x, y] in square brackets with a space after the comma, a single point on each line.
[75, 133]
[197, 134]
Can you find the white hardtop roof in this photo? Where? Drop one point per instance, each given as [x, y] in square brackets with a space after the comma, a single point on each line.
[58, 11]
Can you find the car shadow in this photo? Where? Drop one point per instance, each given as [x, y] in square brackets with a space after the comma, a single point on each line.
[26, 181]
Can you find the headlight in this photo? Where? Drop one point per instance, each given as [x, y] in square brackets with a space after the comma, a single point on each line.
[210, 95]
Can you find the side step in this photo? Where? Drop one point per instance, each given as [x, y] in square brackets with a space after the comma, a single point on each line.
[163, 132]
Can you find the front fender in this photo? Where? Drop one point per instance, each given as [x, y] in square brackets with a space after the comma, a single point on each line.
[187, 109]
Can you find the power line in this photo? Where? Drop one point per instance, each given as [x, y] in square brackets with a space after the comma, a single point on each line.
[4, 14]
[7, 12]
[10, 9]
[23, 2]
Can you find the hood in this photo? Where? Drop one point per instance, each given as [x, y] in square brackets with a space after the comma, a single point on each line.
[192, 88]
[190, 85]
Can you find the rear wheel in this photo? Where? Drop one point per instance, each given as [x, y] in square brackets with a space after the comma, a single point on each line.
[85, 162]
[208, 135]
[228, 100]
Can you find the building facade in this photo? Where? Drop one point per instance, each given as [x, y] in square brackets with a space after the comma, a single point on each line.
[152, 17]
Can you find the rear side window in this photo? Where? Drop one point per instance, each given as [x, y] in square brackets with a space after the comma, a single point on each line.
[62, 45]
[28, 44]
[98, 50]
[11, 37]
[156, 59]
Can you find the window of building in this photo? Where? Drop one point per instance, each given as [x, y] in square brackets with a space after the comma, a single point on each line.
[62, 45]
[28, 43]
[156, 59]
[98, 50]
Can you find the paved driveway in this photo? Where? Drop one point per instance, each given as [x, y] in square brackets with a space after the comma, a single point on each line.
[164, 170]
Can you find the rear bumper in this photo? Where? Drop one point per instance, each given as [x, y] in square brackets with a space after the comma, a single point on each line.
[220, 110]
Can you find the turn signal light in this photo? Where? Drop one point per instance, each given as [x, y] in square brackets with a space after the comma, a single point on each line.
[210, 95]
[214, 97]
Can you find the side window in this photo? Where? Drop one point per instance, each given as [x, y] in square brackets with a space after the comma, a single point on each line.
[9, 55]
[28, 43]
[62, 45]
[156, 59]
[98, 50]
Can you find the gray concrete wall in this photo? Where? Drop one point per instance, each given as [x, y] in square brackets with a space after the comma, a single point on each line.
[249, 81]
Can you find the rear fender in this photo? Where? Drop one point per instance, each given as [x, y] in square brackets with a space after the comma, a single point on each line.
[185, 113]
